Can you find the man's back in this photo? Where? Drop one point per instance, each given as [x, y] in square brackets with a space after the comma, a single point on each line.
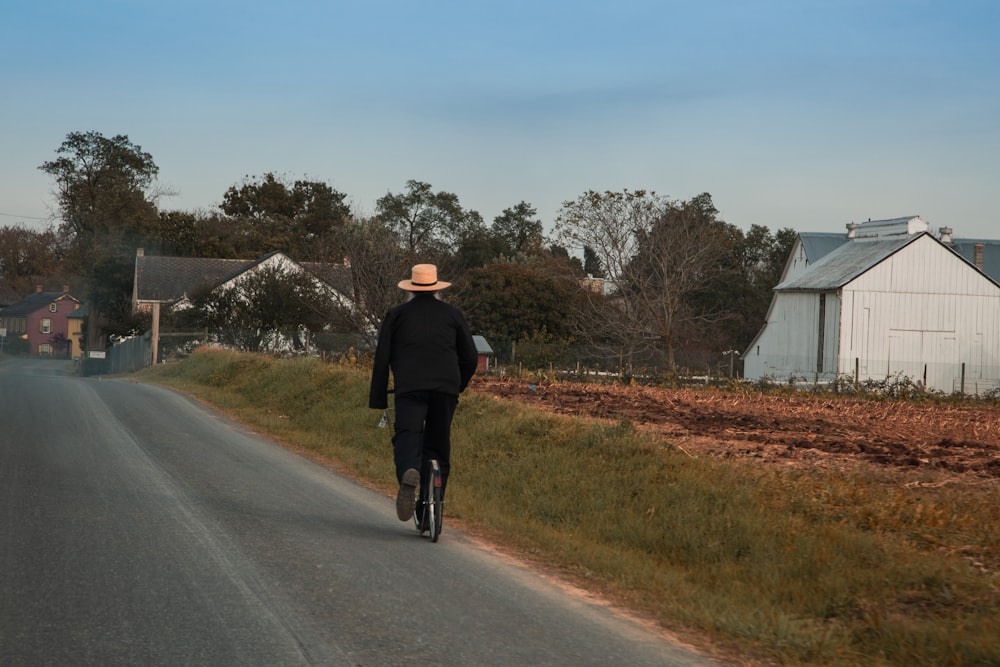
[427, 345]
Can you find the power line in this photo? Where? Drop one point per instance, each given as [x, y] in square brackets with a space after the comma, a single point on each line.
[26, 217]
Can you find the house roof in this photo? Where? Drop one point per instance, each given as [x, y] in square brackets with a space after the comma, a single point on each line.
[34, 302]
[168, 279]
[842, 265]
[991, 254]
[337, 276]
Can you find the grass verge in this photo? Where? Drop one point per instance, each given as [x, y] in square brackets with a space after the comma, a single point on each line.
[802, 568]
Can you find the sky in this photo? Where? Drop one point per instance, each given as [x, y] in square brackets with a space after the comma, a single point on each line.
[800, 114]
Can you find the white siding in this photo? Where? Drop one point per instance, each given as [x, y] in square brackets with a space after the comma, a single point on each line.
[789, 342]
[797, 262]
[923, 313]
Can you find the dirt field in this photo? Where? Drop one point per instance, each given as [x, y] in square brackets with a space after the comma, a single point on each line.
[960, 444]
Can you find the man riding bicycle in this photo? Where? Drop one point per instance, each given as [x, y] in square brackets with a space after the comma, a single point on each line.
[427, 345]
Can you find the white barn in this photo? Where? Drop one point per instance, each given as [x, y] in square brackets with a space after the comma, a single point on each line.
[888, 299]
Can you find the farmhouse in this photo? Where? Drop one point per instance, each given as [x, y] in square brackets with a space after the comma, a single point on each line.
[171, 281]
[888, 299]
[43, 319]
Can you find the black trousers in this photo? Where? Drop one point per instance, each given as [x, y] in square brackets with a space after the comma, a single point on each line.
[423, 432]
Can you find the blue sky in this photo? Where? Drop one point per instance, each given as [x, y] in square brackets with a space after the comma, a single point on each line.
[790, 113]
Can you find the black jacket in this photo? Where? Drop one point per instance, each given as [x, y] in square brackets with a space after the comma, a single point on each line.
[427, 345]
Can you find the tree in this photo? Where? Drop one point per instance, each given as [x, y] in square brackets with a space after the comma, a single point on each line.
[609, 224]
[654, 253]
[428, 223]
[304, 218]
[265, 309]
[592, 263]
[478, 247]
[750, 269]
[513, 302]
[519, 229]
[378, 260]
[677, 256]
[28, 258]
[106, 193]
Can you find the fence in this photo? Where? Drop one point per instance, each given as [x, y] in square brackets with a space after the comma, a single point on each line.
[958, 377]
[130, 355]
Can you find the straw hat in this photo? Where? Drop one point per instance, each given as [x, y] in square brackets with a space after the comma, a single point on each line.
[424, 278]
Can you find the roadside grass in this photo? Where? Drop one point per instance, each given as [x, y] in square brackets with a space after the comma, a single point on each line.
[798, 567]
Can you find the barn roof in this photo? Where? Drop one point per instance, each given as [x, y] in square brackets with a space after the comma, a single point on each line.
[845, 263]
[817, 245]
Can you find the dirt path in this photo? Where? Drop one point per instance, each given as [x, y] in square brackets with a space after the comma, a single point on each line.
[899, 437]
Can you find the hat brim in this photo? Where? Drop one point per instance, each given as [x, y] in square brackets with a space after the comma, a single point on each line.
[409, 286]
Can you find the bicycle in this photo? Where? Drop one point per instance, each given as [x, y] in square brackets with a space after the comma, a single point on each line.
[428, 515]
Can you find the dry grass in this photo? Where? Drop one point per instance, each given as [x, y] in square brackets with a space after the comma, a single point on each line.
[801, 567]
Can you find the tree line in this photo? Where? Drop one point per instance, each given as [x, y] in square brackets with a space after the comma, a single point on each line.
[628, 278]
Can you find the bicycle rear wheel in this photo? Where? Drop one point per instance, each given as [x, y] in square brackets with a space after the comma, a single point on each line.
[434, 509]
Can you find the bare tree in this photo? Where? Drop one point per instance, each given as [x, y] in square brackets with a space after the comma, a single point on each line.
[610, 224]
[677, 257]
[378, 260]
[656, 253]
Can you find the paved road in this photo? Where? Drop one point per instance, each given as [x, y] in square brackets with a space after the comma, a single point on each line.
[139, 528]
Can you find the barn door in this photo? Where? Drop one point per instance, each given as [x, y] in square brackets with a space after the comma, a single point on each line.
[905, 349]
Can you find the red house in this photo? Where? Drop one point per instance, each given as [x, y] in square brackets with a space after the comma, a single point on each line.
[43, 320]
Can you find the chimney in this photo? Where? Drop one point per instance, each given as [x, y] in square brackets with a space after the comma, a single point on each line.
[65, 289]
[851, 227]
[977, 255]
[38, 289]
[945, 234]
[139, 252]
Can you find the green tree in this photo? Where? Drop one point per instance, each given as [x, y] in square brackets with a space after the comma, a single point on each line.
[266, 309]
[428, 223]
[520, 230]
[305, 219]
[742, 289]
[477, 247]
[106, 194]
[592, 263]
[513, 302]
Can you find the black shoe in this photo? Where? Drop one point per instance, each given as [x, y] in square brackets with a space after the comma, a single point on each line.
[407, 496]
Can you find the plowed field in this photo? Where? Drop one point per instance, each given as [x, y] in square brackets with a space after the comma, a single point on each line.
[962, 443]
